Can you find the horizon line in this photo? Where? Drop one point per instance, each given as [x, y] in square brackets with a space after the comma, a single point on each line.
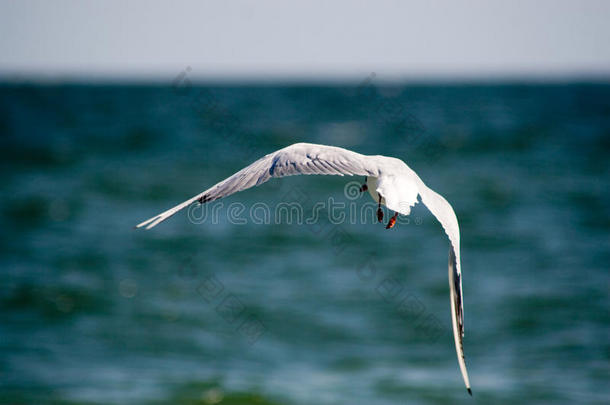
[351, 78]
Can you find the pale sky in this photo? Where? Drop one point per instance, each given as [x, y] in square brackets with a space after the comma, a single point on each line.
[304, 40]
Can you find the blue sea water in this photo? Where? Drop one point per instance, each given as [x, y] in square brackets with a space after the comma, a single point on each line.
[228, 310]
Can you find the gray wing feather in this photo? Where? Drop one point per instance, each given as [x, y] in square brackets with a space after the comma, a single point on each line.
[300, 158]
[444, 213]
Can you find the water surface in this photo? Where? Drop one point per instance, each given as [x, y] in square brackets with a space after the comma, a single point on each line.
[93, 311]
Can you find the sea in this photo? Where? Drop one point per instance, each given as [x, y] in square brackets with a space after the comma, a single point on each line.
[292, 292]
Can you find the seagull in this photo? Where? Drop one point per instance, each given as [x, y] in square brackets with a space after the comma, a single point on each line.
[389, 181]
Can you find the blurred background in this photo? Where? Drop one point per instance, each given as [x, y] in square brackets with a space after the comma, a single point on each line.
[111, 113]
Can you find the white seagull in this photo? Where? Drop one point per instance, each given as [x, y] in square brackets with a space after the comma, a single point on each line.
[389, 181]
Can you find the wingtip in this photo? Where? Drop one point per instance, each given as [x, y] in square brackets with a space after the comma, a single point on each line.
[149, 223]
[143, 224]
[469, 391]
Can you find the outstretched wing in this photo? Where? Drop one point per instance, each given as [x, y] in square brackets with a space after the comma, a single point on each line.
[300, 158]
[444, 213]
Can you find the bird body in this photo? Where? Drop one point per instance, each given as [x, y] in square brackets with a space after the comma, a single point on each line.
[398, 191]
[389, 181]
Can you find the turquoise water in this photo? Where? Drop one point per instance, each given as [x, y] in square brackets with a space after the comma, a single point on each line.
[93, 311]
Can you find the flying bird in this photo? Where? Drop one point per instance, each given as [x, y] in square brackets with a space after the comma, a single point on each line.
[388, 180]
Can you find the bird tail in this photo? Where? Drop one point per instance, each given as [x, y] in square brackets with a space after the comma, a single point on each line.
[157, 219]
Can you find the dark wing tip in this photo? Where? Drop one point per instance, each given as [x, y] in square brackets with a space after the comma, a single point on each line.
[469, 391]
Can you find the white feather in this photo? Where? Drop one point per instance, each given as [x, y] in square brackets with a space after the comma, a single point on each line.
[387, 177]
